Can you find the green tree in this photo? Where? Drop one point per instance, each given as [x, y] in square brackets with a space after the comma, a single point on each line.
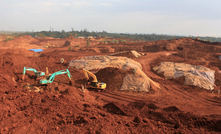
[41, 35]
[88, 43]
[8, 39]
[69, 48]
[63, 34]
[70, 34]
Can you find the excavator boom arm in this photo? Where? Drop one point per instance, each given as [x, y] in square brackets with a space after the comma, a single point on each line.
[86, 73]
[29, 69]
[94, 83]
[50, 78]
[60, 72]
[37, 73]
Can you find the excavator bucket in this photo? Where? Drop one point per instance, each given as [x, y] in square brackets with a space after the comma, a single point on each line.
[23, 77]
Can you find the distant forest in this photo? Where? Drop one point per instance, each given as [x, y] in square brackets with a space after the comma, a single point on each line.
[85, 33]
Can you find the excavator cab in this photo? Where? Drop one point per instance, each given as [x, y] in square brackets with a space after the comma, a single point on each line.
[39, 74]
[94, 84]
[101, 85]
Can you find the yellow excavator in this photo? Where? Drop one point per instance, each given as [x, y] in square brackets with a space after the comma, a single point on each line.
[94, 83]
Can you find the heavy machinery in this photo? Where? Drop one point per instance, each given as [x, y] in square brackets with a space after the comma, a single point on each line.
[62, 61]
[50, 78]
[37, 73]
[94, 83]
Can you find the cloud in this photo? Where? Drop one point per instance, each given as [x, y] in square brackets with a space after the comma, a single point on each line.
[153, 16]
[106, 4]
[78, 5]
[66, 4]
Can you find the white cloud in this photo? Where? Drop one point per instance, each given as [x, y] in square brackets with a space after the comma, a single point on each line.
[77, 5]
[67, 4]
[106, 4]
[141, 16]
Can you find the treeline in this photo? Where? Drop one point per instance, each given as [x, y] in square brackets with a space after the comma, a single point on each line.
[85, 33]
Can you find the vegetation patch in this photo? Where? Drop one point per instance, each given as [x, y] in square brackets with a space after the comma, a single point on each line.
[8, 38]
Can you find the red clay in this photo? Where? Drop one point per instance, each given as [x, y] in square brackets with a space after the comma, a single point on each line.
[64, 108]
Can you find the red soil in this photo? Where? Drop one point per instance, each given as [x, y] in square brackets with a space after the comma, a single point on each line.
[64, 108]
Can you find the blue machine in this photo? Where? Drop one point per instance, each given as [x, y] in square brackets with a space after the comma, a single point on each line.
[50, 78]
[37, 73]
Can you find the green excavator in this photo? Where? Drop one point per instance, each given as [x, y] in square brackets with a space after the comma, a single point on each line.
[37, 73]
[50, 78]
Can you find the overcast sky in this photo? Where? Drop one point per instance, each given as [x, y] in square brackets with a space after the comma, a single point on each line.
[174, 17]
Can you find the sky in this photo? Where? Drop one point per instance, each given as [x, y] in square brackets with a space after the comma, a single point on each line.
[171, 17]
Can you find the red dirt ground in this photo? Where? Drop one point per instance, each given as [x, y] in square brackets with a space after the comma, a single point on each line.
[64, 108]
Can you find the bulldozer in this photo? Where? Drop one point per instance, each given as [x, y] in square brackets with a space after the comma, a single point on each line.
[37, 73]
[94, 83]
[50, 78]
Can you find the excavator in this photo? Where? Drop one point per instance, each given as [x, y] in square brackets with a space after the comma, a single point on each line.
[94, 83]
[50, 78]
[62, 61]
[37, 73]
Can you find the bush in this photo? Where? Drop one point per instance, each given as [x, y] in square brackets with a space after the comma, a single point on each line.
[69, 48]
[122, 40]
[115, 41]
[8, 39]
[88, 43]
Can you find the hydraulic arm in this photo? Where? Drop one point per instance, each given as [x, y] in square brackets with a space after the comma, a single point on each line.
[94, 83]
[86, 72]
[37, 73]
[50, 78]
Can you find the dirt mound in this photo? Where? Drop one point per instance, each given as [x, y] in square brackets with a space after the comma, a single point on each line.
[6, 79]
[112, 108]
[127, 54]
[48, 38]
[13, 64]
[97, 49]
[113, 77]
[89, 49]
[12, 60]
[195, 55]
[152, 48]
[23, 51]
[171, 109]
[27, 112]
[26, 42]
[105, 49]
[171, 47]
[67, 43]
[26, 37]
[141, 105]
